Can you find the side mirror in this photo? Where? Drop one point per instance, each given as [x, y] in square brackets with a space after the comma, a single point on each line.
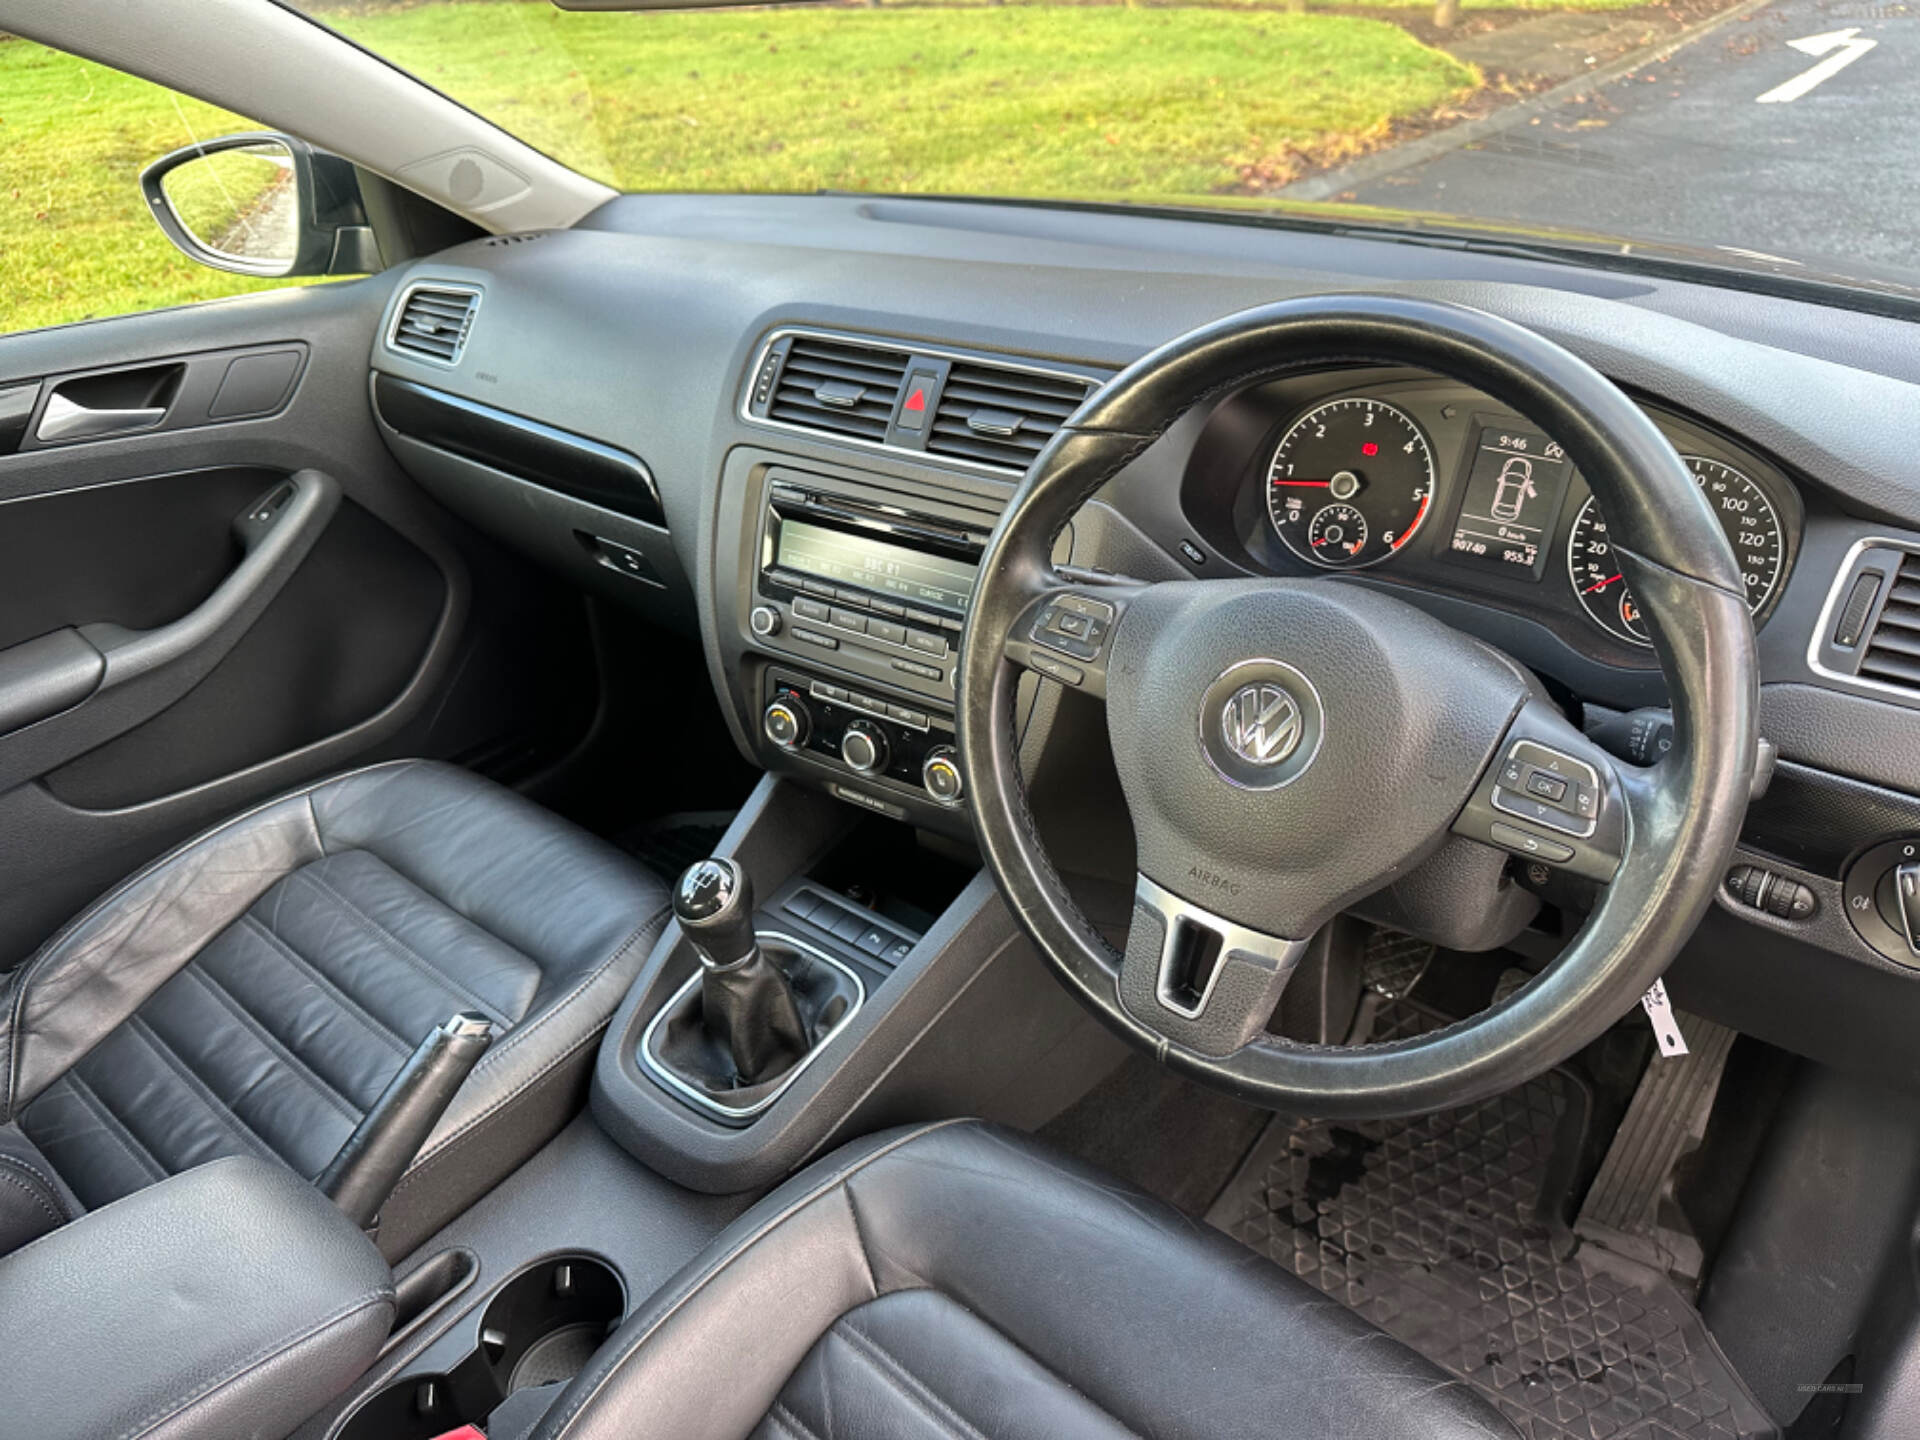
[262, 204]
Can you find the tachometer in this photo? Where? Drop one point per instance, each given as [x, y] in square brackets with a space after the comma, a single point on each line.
[1350, 483]
[1751, 524]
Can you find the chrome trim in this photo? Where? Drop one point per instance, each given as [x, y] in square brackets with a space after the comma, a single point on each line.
[706, 1102]
[1824, 626]
[912, 349]
[1172, 909]
[452, 287]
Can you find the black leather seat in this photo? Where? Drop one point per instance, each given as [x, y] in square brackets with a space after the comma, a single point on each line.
[960, 1282]
[253, 992]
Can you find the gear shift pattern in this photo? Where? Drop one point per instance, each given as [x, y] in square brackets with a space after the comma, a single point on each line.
[747, 1003]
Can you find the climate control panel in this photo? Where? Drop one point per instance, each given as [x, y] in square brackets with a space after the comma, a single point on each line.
[862, 734]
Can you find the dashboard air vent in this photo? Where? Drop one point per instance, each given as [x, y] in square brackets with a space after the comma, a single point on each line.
[1892, 651]
[839, 386]
[998, 416]
[435, 321]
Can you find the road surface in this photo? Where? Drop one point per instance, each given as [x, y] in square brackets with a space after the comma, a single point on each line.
[1684, 149]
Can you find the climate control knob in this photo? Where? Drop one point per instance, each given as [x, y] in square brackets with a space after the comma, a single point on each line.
[864, 747]
[787, 723]
[940, 774]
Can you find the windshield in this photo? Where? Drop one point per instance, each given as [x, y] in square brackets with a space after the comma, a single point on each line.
[1751, 131]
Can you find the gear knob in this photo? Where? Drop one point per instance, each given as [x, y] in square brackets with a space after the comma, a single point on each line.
[713, 902]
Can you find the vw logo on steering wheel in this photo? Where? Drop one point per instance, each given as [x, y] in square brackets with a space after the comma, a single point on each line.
[1261, 723]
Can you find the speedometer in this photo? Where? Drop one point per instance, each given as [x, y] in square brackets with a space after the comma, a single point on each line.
[1745, 513]
[1350, 483]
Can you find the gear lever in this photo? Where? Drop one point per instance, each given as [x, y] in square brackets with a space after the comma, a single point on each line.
[747, 1003]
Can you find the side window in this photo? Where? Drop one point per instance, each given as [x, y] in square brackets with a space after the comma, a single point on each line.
[76, 239]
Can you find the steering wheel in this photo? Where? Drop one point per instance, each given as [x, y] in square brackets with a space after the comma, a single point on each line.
[1289, 746]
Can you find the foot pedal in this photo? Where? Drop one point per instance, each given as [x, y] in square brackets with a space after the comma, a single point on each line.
[1626, 1209]
[1392, 963]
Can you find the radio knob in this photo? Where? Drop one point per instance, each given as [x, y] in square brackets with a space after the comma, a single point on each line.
[864, 747]
[764, 621]
[786, 723]
[940, 774]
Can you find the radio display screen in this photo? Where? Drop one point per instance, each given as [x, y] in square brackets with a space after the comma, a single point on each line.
[875, 565]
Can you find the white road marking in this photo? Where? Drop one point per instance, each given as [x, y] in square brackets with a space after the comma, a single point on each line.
[1847, 48]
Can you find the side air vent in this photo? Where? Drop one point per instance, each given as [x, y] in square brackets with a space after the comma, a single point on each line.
[1892, 652]
[434, 321]
[997, 416]
[839, 386]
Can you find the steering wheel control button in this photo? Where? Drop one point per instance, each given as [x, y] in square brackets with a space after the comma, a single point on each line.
[1261, 723]
[1057, 669]
[1536, 847]
[1549, 788]
[1073, 625]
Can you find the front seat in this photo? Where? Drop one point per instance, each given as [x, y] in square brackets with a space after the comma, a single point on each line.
[254, 991]
[958, 1282]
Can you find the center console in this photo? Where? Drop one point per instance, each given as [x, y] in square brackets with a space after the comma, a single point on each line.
[847, 612]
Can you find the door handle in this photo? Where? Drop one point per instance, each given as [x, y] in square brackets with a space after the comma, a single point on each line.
[67, 419]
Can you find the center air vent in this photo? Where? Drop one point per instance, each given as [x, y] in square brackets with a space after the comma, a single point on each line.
[1892, 652]
[434, 321]
[998, 416]
[839, 386]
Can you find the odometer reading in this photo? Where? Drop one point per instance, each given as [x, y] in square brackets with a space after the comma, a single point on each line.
[1350, 483]
[1752, 528]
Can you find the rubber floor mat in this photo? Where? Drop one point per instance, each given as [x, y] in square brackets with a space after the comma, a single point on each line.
[1443, 1230]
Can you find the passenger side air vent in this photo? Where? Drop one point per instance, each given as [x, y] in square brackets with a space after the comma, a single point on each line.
[998, 416]
[839, 386]
[1892, 652]
[434, 321]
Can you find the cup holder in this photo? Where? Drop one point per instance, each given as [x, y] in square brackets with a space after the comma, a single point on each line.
[540, 1327]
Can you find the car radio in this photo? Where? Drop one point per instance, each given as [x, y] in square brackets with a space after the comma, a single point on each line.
[883, 590]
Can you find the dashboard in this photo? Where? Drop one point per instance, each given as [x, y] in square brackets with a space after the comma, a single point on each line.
[1419, 482]
[786, 425]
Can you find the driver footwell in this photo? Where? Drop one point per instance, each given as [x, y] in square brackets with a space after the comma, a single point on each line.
[1445, 1231]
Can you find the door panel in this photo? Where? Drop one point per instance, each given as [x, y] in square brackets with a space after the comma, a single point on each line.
[208, 610]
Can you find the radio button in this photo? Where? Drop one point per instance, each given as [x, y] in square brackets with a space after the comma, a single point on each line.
[890, 631]
[887, 607]
[914, 667]
[825, 642]
[764, 621]
[926, 644]
[847, 620]
[924, 617]
[808, 609]
[818, 587]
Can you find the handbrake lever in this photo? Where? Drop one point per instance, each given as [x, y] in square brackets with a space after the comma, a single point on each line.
[363, 1174]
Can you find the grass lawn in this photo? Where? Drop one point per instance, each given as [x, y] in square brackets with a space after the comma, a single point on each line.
[1036, 99]
[75, 237]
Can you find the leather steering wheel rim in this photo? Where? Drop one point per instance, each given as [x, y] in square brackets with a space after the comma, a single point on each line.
[1682, 816]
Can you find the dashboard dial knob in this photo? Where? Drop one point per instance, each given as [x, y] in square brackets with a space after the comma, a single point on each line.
[864, 747]
[940, 774]
[764, 621]
[787, 723]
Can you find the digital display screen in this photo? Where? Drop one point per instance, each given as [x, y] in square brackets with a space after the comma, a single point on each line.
[1514, 489]
[875, 565]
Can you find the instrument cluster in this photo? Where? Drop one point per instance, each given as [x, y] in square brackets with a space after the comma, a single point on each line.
[1419, 480]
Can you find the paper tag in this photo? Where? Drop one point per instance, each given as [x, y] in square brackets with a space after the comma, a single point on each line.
[1666, 1029]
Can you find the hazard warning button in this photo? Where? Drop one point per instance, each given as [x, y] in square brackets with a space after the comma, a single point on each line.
[917, 402]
